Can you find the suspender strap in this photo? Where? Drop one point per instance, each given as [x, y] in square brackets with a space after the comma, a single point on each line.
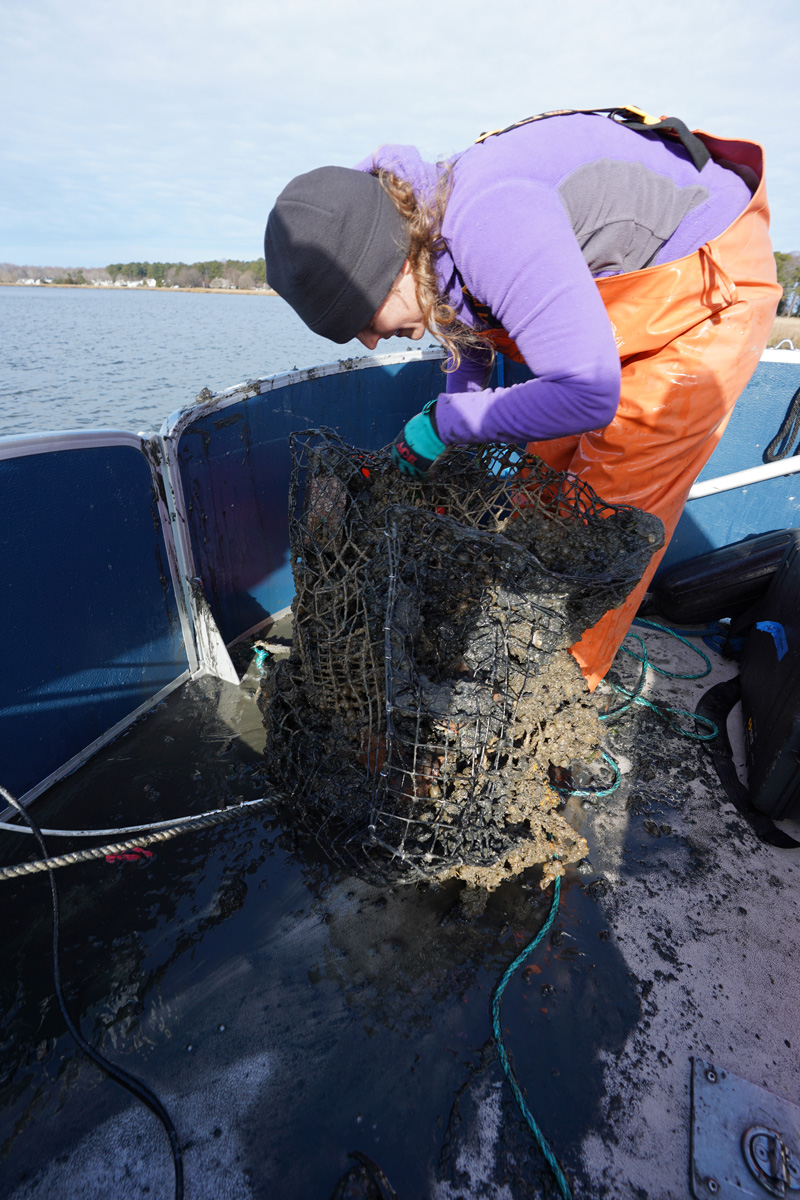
[697, 150]
[481, 311]
[633, 118]
[493, 331]
[559, 112]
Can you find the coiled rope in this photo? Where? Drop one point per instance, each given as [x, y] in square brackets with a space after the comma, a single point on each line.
[631, 697]
[634, 696]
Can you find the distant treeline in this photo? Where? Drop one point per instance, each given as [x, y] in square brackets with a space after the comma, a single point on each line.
[231, 272]
[789, 278]
[236, 273]
[219, 273]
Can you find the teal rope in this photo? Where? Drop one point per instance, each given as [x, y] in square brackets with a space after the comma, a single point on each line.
[635, 696]
[664, 711]
[552, 1162]
[631, 697]
[594, 792]
[640, 621]
[260, 654]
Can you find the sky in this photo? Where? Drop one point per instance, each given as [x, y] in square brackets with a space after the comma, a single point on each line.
[163, 130]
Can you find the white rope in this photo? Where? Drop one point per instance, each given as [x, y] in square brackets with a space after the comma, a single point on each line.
[153, 825]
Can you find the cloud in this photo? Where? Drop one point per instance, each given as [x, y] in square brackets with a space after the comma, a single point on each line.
[165, 129]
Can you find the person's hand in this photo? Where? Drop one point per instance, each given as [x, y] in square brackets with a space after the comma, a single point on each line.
[418, 444]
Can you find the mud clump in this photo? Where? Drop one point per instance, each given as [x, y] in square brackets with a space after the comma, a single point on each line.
[429, 692]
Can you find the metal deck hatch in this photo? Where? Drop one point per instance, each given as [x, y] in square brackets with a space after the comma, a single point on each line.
[745, 1140]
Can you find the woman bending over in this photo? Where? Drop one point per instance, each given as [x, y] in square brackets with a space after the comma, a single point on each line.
[630, 270]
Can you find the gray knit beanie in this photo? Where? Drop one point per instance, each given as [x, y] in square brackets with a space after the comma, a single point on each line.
[334, 246]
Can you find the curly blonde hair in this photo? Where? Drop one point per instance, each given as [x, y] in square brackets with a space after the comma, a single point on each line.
[424, 223]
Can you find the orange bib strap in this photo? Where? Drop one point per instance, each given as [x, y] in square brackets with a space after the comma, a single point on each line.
[502, 343]
[494, 332]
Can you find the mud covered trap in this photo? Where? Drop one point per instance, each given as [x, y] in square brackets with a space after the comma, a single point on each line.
[429, 700]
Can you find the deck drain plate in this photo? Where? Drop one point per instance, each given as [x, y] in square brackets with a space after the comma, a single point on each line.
[745, 1140]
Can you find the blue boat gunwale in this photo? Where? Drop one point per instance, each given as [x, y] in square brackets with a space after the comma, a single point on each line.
[21, 445]
[178, 420]
[14, 445]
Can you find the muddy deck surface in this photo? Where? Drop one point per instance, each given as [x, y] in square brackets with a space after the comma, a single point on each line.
[286, 1014]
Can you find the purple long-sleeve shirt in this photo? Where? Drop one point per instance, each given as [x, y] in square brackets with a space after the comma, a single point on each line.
[533, 216]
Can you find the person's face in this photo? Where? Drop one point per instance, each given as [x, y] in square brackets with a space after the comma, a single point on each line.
[399, 315]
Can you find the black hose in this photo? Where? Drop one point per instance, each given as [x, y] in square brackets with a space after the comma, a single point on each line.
[129, 1082]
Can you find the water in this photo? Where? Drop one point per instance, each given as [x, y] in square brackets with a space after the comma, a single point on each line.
[77, 358]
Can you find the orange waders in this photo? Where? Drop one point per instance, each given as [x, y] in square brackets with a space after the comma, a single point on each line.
[690, 334]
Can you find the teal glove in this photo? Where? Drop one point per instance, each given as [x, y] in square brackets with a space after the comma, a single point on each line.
[418, 444]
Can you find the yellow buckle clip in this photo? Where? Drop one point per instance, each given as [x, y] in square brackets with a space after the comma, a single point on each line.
[644, 117]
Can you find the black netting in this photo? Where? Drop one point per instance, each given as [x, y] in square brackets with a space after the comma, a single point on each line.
[429, 693]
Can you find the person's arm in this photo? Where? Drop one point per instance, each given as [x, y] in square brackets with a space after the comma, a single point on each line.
[516, 251]
[472, 373]
[418, 445]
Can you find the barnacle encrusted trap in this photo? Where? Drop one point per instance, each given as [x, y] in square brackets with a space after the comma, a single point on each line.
[429, 693]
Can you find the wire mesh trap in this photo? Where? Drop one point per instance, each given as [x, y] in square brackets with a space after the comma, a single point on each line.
[429, 692]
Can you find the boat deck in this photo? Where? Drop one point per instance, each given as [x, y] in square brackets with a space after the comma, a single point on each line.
[287, 1013]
